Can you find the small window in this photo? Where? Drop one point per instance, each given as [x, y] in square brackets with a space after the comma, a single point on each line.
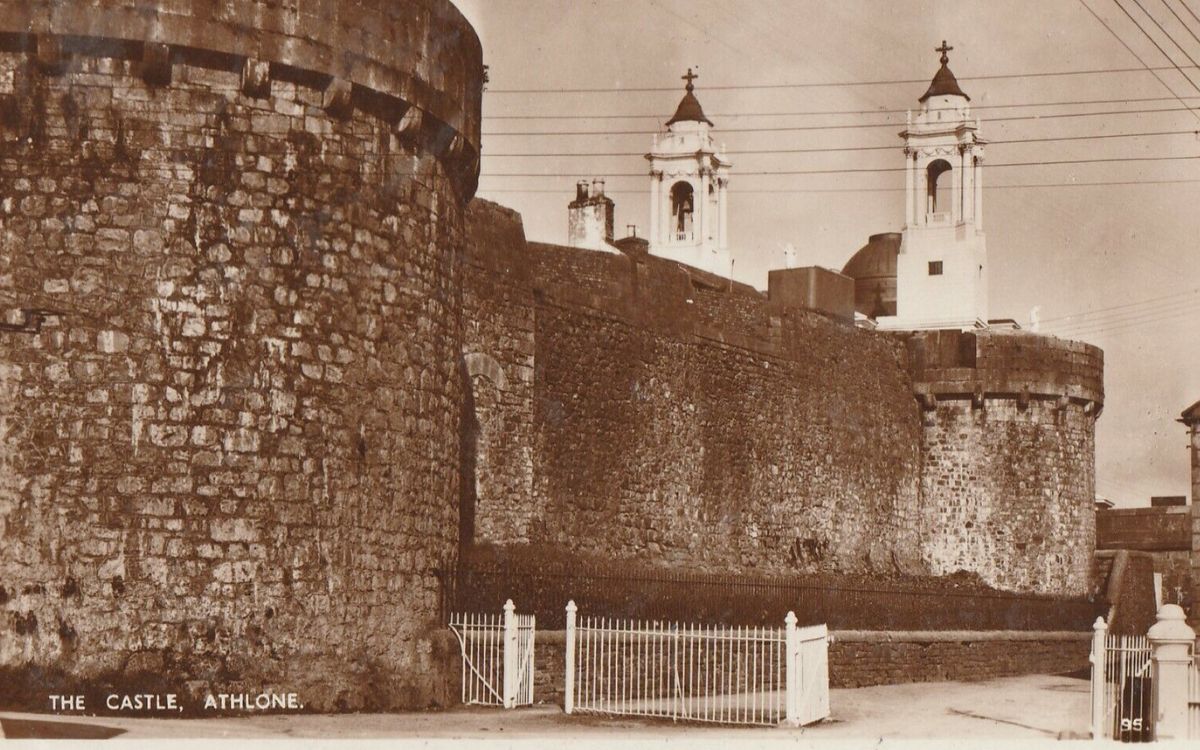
[935, 268]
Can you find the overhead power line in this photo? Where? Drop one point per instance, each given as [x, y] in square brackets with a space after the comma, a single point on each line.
[820, 84]
[661, 116]
[1050, 162]
[835, 149]
[1138, 57]
[1165, 33]
[1138, 303]
[855, 126]
[1182, 23]
[790, 191]
[1167, 309]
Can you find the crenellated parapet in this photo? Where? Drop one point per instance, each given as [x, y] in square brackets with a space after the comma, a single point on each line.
[416, 64]
[958, 365]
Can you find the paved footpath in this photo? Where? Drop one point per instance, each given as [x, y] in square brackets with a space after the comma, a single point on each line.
[1035, 707]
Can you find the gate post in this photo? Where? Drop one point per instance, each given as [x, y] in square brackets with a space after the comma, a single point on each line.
[510, 654]
[1171, 643]
[1097, 658]
[792, 676]
[569, 687]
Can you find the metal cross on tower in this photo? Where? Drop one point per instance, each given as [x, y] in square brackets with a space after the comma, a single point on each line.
[943, 49]
[691, 77]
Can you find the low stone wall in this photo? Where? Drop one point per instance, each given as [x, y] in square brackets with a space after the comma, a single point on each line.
[858, 658]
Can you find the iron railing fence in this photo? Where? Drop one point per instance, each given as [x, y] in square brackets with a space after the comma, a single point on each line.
[697, 671]
[1122, 687]
[756, 600]
[497, 656]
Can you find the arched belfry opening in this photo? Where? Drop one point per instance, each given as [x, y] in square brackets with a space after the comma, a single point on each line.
[689, 185]
[682, 209]
[938, 182]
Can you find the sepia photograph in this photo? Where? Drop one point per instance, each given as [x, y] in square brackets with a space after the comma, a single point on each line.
[529, 372]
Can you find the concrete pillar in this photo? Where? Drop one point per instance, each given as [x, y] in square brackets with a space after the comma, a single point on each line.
[1171, 642]
[978, 193]
[960, 203]
[968, 186]
[910, 218]
[723, 216]
[702, 206]
[655, 206]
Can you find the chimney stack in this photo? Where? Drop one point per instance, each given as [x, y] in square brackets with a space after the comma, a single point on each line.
[590, 217]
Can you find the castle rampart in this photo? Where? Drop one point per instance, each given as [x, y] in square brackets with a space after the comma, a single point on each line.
[1008, 474]
[230, 367]
[676, 417]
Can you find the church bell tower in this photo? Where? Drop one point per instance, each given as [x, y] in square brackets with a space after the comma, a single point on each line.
[689, 182]
[941, 270]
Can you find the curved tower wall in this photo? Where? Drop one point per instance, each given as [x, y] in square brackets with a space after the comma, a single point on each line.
[1008, 474]
[230, 398]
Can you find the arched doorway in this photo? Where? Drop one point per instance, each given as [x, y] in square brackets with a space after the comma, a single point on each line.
[682, 208]
[938, 192]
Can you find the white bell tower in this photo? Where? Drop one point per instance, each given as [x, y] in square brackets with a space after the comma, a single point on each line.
[689, 183]
[941, 271]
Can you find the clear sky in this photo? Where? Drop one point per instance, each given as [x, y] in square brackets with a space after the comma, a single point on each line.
[1117, 265]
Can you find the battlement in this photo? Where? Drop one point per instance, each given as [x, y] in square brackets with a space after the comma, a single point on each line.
[980, 365]
[418, 64]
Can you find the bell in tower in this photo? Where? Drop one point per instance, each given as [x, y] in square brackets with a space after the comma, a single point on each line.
[689, 181]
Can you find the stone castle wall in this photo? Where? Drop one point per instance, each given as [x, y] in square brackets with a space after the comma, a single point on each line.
[675, 418]
[230, 386]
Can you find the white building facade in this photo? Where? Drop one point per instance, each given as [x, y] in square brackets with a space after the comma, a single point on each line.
[942, 267]
[689, 186]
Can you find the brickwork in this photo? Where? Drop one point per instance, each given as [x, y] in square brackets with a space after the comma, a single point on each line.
[232, 427]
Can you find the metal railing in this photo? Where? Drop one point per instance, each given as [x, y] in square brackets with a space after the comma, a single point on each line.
[1122, 688]
[696, 672]
[497, 656]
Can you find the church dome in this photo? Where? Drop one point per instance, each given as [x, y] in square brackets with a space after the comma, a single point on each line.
[689, 109]
[873, 269]
[944, 83]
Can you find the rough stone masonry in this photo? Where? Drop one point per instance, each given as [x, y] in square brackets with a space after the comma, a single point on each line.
[229, 370]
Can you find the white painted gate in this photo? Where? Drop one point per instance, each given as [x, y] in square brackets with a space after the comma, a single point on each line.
[696, 672]
[812, 666]
[497, 656]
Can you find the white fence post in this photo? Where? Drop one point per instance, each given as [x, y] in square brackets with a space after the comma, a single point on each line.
[510, 655]
[569, 695]
[792, 676]
[1170, 645]
[1099, 630]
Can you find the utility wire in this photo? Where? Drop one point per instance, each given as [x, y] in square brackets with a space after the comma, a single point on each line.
[1189, 10]
[786, 191]
[659, 116]
[834, 149]
[852, 170]
[1102, 310]
[1168, 310]
[826, 84]
[1186, 28]
[1129, 49]
[1165, 33]
[856, 126]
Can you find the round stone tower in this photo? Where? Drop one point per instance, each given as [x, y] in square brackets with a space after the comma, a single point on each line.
[1008, 479]
[229, 392]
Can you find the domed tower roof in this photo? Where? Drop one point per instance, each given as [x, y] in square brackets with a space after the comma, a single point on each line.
[944, 83]
[873, 269]
[689, 109]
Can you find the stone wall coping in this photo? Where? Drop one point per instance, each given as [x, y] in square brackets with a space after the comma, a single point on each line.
[558, 637]
[423, 54]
